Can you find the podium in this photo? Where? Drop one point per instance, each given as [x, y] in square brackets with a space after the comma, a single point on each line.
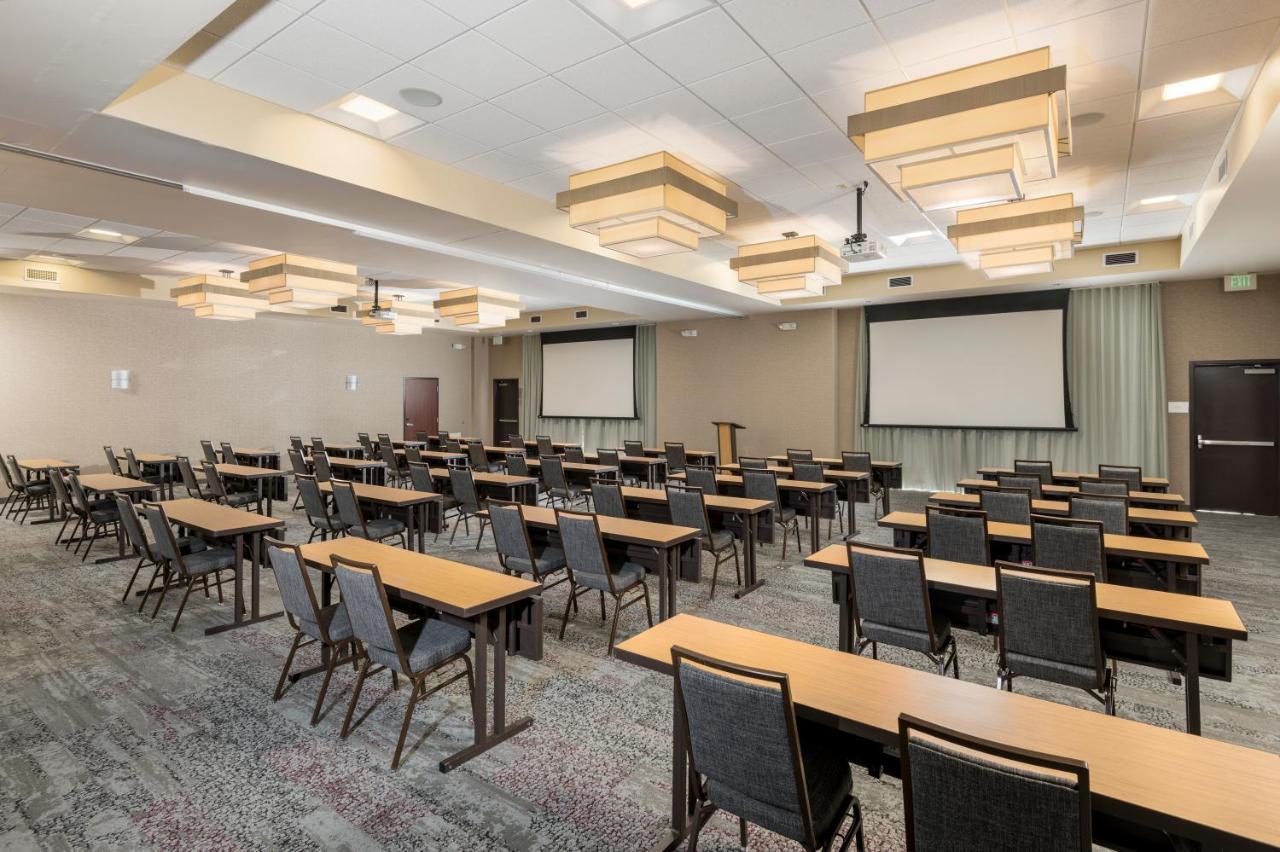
[727, 440]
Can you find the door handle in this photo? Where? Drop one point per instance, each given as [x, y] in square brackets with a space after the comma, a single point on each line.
[408, 422]
[1202, 441]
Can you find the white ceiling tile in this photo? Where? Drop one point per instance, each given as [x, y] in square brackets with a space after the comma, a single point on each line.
[747, 88]
[1185, 186]
[814, 148]
[545, 185]
[1104, 79]
[8, 211]
[632, 19]
[1030, 15]
[1100, 136]
[699, 47]
[52, 220]
[884, 8]
[602, 140]
[618, 78]
[778, 183]
[474, 12]
[387, 89]
[90, 247]
[677, 110]
[478, 65]
[327, 53]
[963, 58]
[1179, 20]
[1209, 54]
[548, 151]
[497, 166]
[171, 240]
[490, 125]
[274, 81]
[552, 34]
[25, 242]
[1093, 38]
[549, 104]
[403, 28]
[215, 55]
[926, 32]
[1182, 136]
[1144, 177]
[436, 143]
[1103, 231]
[1146, 226]
[779, 26]
[785, 121]
[849, 169]
[1118, 109]
[750, 163]
[838, 60]
[126, 228]
[250, 24]
[843, 101]
[715, 146]
[143, 253]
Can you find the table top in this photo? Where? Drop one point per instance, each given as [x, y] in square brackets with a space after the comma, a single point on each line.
[1141, 547]
[509, 480]
[648, 533]
[715, 502]
[461, 590]
[834, 474]
[703, 453]
[1148, 497]
[339, 461]
[436, 455]
[254, 451]
[580, 466]
[1155, 481]
[44, 464]
[385, 495]
[152, 458]
[214, 519]
[1153, 607]
[345, 448]
[783, 484]
[106, 483]
[825, 460]
[1131, 764]
[245, 471]
[1140, 514]
[647, 460]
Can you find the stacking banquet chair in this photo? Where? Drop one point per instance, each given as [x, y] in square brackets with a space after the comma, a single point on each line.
[330, 626]
[588, 565]
[701, 477]
[1131, 474]
[958, 794]
[763, 485]
[957, 535]
[557, 486]
[891, 605]
[794, 456]
[516, 442]
[366, 445]
[387, 453]
[859, 461]
[1113, 512]
[136, 471]
[479, 459]
[29, 493]
[422, 437]
[62, 499]
[1069, 544]
[1034, 467]
[606, 494]
[674, 453]
[545, 447]
[234, 499]
[322, 523]
[298, 464]
[172, 563]
[1029, 481]
[352, 519]
[295, 443]
[453, 445]
[131, 523]
[320, 464]
[689, 509]
[384, 438]
[462, 484]
[518, 464]
[609, 457]
[317, 445]
[1110, 487]
[1007, 506]
[11, 497]
[101, 517]
[417, 650]
[228, 453]
[412, 455]
[515, 550]
[1049, 630]
[72, 510]
[113, 463]
[633, 448]
[753, 462]
[420, 479]
[752, 758]
[808, 471]
[575, 455]
[210, 454]
[190, 481]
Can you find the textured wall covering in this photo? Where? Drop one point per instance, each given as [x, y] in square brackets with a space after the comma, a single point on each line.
[252, 383]
[1202, 323]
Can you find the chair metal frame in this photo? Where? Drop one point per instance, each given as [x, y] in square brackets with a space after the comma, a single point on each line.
[575, 592]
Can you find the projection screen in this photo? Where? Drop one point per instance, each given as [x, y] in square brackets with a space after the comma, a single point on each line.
[589, 373]
[987, 362]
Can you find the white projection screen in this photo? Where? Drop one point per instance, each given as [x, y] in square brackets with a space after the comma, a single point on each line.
[589, 373]
[988, 362]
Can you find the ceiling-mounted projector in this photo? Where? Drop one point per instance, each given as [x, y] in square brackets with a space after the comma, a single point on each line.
[857, 248]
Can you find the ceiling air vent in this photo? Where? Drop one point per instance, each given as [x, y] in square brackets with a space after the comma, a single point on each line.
[899, 281]
[535, 319]
[1120, 258]
[579, 314]
[42, 276]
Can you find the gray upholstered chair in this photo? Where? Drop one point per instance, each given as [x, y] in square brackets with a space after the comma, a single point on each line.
[453, 445]
[701, 477]
[352, 519]
[516, 553]
[1113, 512]
[689, 509]
[891, 605]
[228, 453]
[172, 563]
[366, 445]
[412, 455]
[210, 454]
[101, 517]
[295, 443]
[391, 463]
[1031, 482]
[959, 794]
[1006, 505]
[478, 458]
[190, 481]
[795, 455]
[317, 445]
[589, 570]
[62, 499]
[575, 455]
[1041, 468]
[320, 464]
[613, 458]
[1069, 544]
[30, 493]
[545, 447]
[422, 437]
[113, 463]
[316, 507]
[763, 485]
[298, 464]
[750, 757]
[518, 464]
[416, 650]
[465, 503]
[809, 471]
[420, 479]
[606, 494]
[673, 451]
[859, 461]
[12, 497]
[235, 499]
[1049, 630]
[1131, 474]
[557, 486]
[136, 470]
[633, 448]
[753, 462]
[516, 442]
[328, 626]
[1110, 487]
[957, 535]
[131, 524]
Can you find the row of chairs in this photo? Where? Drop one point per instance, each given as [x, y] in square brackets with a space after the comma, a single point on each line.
[1042, 469]
[22, 494]
[1067, 543]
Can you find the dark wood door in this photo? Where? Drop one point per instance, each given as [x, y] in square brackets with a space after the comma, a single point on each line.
[506, 409]
[1235, 427]
[421, 407]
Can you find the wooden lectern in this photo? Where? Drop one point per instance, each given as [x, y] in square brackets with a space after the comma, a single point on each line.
[727, 440]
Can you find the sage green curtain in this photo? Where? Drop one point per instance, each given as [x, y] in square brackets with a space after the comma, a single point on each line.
[593, 432]
[1115, 357]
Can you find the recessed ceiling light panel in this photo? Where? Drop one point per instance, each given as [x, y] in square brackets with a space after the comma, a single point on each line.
[1194, 86]
[367, 108]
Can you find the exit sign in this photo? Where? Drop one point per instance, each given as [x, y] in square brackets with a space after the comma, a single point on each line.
[1231, 283]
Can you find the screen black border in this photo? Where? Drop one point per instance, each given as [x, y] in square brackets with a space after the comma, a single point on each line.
[583, 335]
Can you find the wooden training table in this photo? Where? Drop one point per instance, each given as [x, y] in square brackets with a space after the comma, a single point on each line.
[108, 483]
[1159, 523]
[815, 491]
[414, 505]
[578, 471]
[256, 475]
[1144, 780]
[651, 468]
[366, 468]
[497, 608]
[887, 473]
[847, 480]
[1073, 477]
[698, 457]
[1185, 634]
[506, 486]
[31, 470]
[1061, 492]
[163, 462]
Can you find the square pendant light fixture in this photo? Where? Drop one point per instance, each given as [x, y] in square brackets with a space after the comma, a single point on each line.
[1053, 221]
[477, 308]
[1018, 101]
[294, 281]
[216, 297]
[1016, 262]
[789, 268]
[402, 318]
[650, 206]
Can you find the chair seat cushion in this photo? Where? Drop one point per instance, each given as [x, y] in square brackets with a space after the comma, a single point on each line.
[426, 643]
[190, 544]
[624, 578]
[336, 617]
[41, 487]
[786, 514]
[912, 640]
[1068, 674]
[241, 498]
[210, 560]
[719, 540]
[379, 528]
[326, 523]
[551, 559]
[104, 515]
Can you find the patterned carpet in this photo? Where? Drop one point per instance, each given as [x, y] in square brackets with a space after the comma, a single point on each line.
[115, 733]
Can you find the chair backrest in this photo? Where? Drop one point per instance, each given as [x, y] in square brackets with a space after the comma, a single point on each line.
[890, 591]
[189, 480]
[516, 442]
[517, 464]
[477, 455]
[320, 461]
[7, 468]
[743, 738]
[442, 438]
[553, 473]
[1049, 623]
[606, 494]
[575, 455]
[388, 455]
[857, 461]
[688, 508]
[760, 485]
[420, 477]
[510, 534]
[412, 454]
[604, 456]
[633, 448]
[1031, 482]
[209, 455]
[370, 451]
[676, 458]
[544, 445]
[317, 445]
[1006, 505]
[1068, 544]
[228, 453]
[297, 461]
[295, 442]
[113, 463]
[803, 471]
[164, 545]
[1129, 473]
[794, 455]
[213, 480]
[753, 462]
[60, 491]
[422, 437]
[347, 504]
[367, 606]
[956, 788]
[135, 469]
[701, 477]
[312, 499]
[958, 535]
[1042, 468]
[462, 483]
[1113, 512]
[76, 493]
[132, 526]
[584, 551]
[1111, 487]
[453, 445]
[362, 437]
[294, 581]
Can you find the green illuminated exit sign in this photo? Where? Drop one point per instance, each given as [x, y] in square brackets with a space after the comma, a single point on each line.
[1231, 283]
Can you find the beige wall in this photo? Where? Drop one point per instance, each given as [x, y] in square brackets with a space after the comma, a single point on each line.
[506, 360]
[1203, 323]
[252, 383]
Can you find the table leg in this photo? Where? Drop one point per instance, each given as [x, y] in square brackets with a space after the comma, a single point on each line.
[751, 581]
[886, 491]
[1191, 685]
[675, 832]
[815, 519]
[851, 497]
[840, 591]
[664, 579]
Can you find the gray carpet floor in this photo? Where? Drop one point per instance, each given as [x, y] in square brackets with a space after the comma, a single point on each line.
[116, 733]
